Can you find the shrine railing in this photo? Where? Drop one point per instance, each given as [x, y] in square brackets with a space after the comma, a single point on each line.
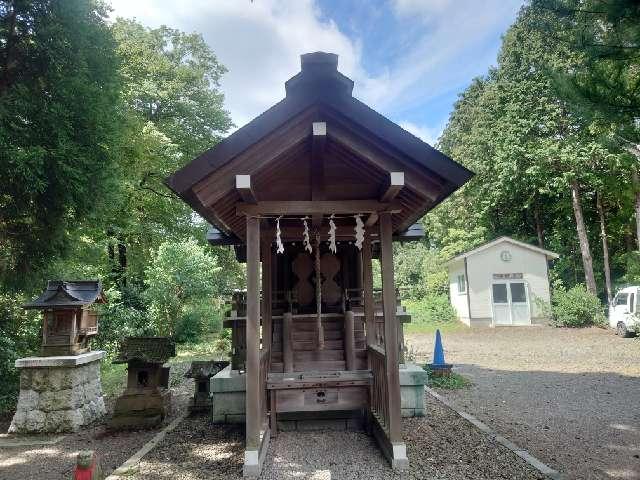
[379, 394]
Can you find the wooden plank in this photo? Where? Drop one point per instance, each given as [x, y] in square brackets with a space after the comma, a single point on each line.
[253, 394]
[395, 184]
[390, 328]
[349, 340]
[287, 339]
[243, 186]
[320, 207]
[317, 167]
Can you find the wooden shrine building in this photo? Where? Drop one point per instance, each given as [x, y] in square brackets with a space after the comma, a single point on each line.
[312, 189]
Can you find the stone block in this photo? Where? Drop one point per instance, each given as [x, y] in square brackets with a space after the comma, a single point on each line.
[235, 418]
[35, 421]
[26, 379]
[227, 380]
[28, 400]
[229, 403]
[411, 374]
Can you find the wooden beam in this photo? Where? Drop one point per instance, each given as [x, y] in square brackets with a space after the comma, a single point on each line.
[326, 207]
[396, 182]
[243, 185]
[371, 220]
[317, 167]
[253, 413]
[390, 328]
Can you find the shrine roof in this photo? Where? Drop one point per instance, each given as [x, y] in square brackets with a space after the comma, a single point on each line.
[205, 368]
[68, 293]
[277, 151]
[146, 349]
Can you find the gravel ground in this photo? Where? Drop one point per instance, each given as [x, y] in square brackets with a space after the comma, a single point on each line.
[55, 462]
[569, 396]
[440, 447]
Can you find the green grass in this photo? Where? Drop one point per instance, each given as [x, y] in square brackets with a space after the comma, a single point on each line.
[114, 377]
[204, 349]
[454, 381]
[422, 323]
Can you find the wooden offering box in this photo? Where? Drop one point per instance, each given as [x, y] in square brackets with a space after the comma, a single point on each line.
[68, 319]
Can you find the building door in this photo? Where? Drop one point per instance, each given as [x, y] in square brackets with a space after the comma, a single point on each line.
[510, 303]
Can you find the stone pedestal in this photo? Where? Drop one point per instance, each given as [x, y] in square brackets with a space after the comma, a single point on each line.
[228, 389]
[412, 382]
[58, 394]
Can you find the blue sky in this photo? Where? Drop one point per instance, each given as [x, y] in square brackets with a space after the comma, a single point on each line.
[409, 58]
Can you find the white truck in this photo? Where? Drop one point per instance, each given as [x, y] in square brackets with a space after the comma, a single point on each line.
[623, 312]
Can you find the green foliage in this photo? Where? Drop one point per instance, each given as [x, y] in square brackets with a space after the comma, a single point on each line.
[19, 336]
[181, 286]
[575, 307]
[431, 309]
[124, 314]
[59, 125]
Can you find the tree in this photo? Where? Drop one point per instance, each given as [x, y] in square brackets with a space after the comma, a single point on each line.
[174, 111]
[181, 275]
[58, 127]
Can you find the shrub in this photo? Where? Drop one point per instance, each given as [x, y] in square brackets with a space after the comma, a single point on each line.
[575, 307]
[431, 309]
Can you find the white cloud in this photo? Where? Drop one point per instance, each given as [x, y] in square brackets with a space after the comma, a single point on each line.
[260, 42]
[424, 133]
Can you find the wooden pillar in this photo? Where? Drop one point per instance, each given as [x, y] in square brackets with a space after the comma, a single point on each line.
[287, 348]
[253, 416]
[367, 290]
[390, 327]
[349, 340]
[267, 292]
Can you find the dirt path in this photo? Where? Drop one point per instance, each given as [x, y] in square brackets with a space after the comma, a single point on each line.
[571, 397]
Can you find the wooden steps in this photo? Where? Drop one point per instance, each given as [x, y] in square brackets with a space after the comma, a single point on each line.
[306, 356]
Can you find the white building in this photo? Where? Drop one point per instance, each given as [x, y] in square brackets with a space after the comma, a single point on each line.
[497, 283]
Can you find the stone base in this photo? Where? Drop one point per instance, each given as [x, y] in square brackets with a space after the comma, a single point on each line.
[140, 409]
[58, 394]
[228, 394]
[412, 382]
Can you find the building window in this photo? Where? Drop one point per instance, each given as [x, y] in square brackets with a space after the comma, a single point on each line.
[462, 286]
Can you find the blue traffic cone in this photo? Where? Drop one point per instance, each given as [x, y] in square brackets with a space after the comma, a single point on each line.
[439, 367]
[438, 351]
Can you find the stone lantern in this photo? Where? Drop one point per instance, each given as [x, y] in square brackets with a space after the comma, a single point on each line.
[201, 372]
[146, 401]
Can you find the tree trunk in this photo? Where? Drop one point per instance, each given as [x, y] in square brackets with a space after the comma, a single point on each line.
[539, 229]
[605, 248]
[636, 203]
[585, 250]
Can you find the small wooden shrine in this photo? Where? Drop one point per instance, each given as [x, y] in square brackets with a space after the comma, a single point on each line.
[146, 400]
[314, 189]
[69, 320]
[201, 371]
